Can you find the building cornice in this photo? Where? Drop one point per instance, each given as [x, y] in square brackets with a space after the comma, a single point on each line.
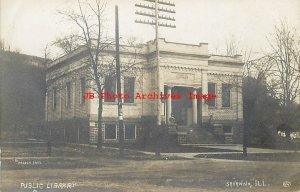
[182, 68]
[224, 74]
[231, 63]
[81, 52]
[148, 51]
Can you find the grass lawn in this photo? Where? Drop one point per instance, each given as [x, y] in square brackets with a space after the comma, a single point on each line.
[87, 169]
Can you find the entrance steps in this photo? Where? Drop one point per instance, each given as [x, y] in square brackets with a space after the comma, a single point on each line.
[196, 135]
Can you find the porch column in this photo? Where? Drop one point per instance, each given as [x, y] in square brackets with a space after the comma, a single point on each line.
[169, 104]
[46, 106]
[205, 115]
[195, 113]
[60, 103]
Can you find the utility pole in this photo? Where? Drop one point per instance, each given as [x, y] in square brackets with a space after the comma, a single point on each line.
[118, 72]
[0, 21]
[1, 75]
[1, 42]
[161, 8]
[245, 142]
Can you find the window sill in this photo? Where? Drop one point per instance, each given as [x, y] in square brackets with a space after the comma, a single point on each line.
[130, 104]
[227, 108]
[116, 103]
[110, 103]
[212, 107]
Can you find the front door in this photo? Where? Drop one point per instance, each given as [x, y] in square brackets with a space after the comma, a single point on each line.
[181, 108]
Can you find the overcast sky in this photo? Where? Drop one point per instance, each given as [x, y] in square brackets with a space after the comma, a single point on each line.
[29, 25]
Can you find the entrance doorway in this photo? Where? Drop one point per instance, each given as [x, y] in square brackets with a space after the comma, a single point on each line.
[182, 108]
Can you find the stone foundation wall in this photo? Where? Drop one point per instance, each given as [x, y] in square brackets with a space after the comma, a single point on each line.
[93, 132]
[72, 131]
[219, 130]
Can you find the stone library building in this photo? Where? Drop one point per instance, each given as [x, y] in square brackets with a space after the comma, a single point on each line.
[200, 99]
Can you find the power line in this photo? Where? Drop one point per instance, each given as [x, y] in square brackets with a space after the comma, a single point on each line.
[1, 23]
[160, 11]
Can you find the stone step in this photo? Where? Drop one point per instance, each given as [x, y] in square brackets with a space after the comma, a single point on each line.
[228, 139]
[198, 135]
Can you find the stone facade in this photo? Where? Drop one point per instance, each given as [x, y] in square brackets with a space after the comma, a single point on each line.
[184, 69]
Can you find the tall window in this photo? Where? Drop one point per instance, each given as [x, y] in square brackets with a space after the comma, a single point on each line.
[82, 89]
[212, 90]
[110, 88]
[54, 98]
[110, 131]
[226, 95]
[130, 132]
[129, 89]
[68, 94]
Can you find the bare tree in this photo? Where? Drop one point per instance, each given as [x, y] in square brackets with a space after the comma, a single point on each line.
[285, 64]
[254, 73]
[2, 46]
[232, 47]
[96, 43]
[89, 19]
[68, 43]
[46, 52]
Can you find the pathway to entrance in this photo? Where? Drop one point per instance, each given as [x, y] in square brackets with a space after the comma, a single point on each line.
[237, 147]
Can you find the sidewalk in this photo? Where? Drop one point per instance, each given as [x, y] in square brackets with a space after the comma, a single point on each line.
[237, 147]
